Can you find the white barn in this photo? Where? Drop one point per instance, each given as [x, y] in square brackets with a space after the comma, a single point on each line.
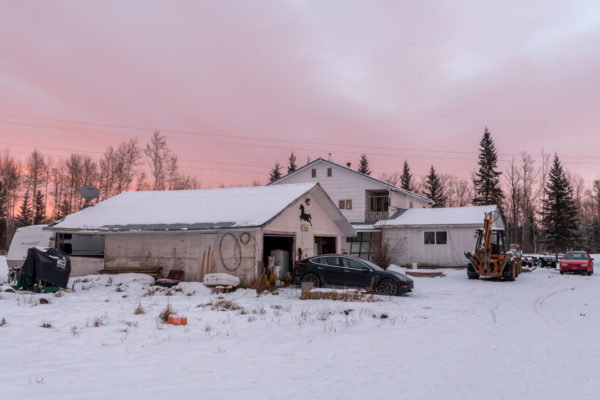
[229, 230]
[434, 237]
[361, 198]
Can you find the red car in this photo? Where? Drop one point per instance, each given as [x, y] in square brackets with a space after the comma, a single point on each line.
[577, 261]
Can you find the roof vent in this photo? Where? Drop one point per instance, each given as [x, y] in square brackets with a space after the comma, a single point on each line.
[348, 164]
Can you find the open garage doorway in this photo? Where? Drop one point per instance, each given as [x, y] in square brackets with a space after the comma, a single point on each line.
[281, 248]
[325, 245]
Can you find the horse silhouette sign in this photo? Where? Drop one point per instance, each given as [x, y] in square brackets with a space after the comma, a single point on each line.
[304, 212]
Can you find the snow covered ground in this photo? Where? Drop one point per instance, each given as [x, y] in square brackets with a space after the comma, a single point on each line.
[452, 338]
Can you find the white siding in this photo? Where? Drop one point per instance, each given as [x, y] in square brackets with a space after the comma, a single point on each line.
[289, 222]
[410, 247]
[347, 185]
[401, 201]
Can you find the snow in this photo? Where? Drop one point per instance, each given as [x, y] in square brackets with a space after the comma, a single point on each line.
[440, 216]
[207, 208]
[451, 338]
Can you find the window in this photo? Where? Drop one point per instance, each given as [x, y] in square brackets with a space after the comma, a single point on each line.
[314, 172]
[429, 237]
[352, 264]
[411, 204]
[364, 244]
[332, 261]
[440, 237]
[329, 172]
[345, 204]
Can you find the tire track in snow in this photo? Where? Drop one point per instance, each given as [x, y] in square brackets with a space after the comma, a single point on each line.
[539, 303]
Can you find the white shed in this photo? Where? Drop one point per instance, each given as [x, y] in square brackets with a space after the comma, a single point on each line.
[434, 237]
[230, 230]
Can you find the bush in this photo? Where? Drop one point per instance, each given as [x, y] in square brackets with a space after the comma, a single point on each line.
[166, 312]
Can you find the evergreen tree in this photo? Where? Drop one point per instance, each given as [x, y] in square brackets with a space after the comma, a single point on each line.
[292, 166]
[275, 173]
[26, 212]
[434, 190]
[487, 179]
[559, 223]
[363, 165]
[39, 208]
[406, 178]
[63, 210]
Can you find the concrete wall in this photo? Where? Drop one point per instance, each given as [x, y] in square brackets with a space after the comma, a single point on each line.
[81, 266]
[195, 252]
[289, 222]
[409, 245]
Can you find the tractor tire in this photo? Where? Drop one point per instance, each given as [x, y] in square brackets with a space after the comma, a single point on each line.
[471, 273]
[509, 272]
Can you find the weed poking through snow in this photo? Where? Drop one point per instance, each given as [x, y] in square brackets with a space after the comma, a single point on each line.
[139, 309]
[3, 321]
[166, 312]
[46, 324]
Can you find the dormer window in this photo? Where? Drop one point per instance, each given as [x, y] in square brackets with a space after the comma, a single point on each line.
[314, 172]
[329, 171]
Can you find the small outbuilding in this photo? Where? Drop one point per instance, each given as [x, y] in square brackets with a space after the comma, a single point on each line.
[434, 237]
[232, 230]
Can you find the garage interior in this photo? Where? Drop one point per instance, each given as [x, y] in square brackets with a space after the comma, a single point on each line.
[281, 247]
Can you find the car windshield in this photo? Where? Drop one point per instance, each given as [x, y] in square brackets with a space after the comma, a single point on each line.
[370, 264]
[575, 256]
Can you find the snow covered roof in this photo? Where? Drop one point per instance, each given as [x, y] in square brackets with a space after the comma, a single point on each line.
[383, 183]
[471, 216]
[193, 209]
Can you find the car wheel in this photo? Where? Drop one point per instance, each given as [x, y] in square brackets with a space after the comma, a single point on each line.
[310, 277]
[562, 272]
[387, 286]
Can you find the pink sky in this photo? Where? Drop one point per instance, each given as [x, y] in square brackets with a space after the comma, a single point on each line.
[236, 85]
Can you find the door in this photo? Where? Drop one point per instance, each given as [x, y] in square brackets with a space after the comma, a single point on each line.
[325, 245]
[331, 270]
[356, 274]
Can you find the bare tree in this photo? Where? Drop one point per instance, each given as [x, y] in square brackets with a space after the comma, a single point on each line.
[458, 191]
[528, 175]
[513, 199]
[157, 152]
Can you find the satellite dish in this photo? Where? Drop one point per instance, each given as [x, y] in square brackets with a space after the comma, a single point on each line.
[89, 192]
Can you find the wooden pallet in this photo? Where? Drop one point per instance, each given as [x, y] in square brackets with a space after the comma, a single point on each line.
[154, 272]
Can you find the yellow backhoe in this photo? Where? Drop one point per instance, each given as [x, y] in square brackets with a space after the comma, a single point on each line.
[492, 256]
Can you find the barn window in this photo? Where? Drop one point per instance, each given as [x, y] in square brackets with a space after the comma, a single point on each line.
[314, 172]
[440, 237]
[348, 204]
[342, 204]
[411, 204]
[429, 237]
[329, 171]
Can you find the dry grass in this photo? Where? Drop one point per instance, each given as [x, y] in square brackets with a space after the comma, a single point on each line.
[99, 321]
[150, 292]
[10, 290]
[3, 321]
[168, 292]
[60, 293]
[346, 295]
[178, 289]
[225, 305]
[139, 309]
[44, 301]
[46, 324]
[166, 312]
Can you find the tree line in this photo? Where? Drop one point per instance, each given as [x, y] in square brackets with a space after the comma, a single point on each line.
[545, 207]
[43, 189]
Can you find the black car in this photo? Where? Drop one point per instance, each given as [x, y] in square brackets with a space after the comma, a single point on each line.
[347, 271]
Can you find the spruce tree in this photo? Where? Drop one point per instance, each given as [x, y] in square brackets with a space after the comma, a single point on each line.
[487, 179]
[275, 173]
[292, 165]
[406, 178]
[26, 212]
[363, 165]
[39, 208]
[434, 190]
[559, 223]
